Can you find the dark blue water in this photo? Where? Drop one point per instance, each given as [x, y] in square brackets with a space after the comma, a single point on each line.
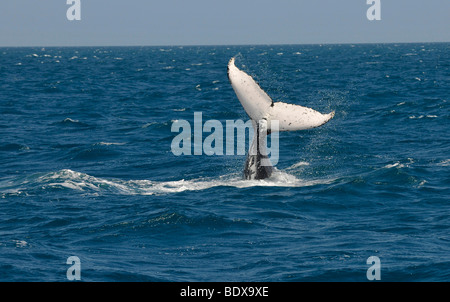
[86, 167]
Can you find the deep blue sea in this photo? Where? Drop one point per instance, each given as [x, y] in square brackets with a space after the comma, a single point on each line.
[86, 167]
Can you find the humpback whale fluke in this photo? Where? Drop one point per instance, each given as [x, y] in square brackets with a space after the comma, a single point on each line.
[262, 110]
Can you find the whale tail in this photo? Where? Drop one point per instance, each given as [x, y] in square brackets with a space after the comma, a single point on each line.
[260, 107]
[258, 104]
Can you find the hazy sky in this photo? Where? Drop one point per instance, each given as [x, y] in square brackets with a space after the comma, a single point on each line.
[214, 22]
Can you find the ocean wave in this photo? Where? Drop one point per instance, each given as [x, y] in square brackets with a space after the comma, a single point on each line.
[444, 163]
[399, 164]
[412, 117]
[96, 151]
[13, 147]
[82, 182]
[299, 164]
[108, 144]
[72, 123]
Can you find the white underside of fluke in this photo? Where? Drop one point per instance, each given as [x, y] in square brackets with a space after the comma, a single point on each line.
[259, 106]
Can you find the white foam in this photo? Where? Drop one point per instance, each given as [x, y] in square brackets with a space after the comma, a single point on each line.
[400, 165]
[299, 164]
[83, 182]
[12, 192]
[393, 166]
[444, 163]
[148, 125]
[422, 183]
[78, 181]
[109, 144]
[70, 120]
[20, 243]
[278, 179]
[423, 116]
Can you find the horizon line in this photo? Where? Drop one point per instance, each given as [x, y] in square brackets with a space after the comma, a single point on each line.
[224, 45]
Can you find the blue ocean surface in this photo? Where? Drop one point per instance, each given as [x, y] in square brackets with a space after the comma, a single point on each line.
[87, 170]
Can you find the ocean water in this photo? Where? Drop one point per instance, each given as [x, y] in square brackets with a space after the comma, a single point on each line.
[86, 167]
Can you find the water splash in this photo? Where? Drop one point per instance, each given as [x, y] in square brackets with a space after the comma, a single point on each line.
[82, 182]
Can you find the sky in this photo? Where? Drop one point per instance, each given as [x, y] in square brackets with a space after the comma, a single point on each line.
[221, 22]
